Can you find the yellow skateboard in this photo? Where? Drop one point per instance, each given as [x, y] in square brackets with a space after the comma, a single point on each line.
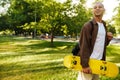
[100, 67]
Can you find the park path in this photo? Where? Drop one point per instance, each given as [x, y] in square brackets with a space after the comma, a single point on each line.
[115, 41]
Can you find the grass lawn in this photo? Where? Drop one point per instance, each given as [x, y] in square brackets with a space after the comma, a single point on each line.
[31, 59]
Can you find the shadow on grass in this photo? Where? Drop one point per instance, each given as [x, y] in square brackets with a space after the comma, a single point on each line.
[21, 69]
[46, 60]
[35, 56]
[46, 44]
[4, 39]
[34, 51]
[38, 47]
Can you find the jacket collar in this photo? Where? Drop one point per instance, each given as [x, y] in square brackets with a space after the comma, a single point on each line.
[94, 21]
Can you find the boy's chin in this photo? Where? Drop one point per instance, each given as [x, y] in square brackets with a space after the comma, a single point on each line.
[97, 15]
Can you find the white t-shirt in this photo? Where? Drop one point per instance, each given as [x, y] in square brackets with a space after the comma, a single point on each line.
[99, 43]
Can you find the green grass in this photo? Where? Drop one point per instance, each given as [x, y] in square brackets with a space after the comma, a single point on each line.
[31, 59]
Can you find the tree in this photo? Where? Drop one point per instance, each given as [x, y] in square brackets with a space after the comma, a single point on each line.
[52, 18]
[4, 2]
[76, 18]
[116, 18]
[47, 16]
[22, 12]
[18, 15]
[112, 29]
[4, 22]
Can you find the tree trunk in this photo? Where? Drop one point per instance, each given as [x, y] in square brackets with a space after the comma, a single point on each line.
[52, 36]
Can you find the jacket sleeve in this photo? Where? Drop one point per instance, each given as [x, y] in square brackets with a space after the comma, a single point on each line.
[85, 45]
[107, 42]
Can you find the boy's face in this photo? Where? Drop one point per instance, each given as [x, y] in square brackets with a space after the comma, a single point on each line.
[98, 9]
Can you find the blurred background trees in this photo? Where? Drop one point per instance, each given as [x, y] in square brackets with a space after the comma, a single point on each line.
[37, 17]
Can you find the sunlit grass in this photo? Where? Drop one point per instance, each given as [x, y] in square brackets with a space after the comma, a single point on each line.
[113, 53]
[32, 59]
[35, 58]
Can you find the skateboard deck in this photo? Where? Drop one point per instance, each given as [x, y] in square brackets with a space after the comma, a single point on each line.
[100, 67]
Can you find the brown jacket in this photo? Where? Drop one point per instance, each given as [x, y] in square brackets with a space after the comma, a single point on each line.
[87, 40]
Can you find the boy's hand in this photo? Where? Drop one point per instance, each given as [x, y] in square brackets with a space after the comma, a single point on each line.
[87, 70]
[109, 35]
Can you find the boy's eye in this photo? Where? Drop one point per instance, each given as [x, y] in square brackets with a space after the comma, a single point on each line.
[100, 6]
[97, 7]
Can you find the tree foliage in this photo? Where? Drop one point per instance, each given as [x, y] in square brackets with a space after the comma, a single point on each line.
[45, 16]
[116, 18]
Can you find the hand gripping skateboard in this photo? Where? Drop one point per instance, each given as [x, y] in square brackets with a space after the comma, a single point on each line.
[100, 67]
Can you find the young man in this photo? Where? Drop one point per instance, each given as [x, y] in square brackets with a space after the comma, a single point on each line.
[93, 42]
